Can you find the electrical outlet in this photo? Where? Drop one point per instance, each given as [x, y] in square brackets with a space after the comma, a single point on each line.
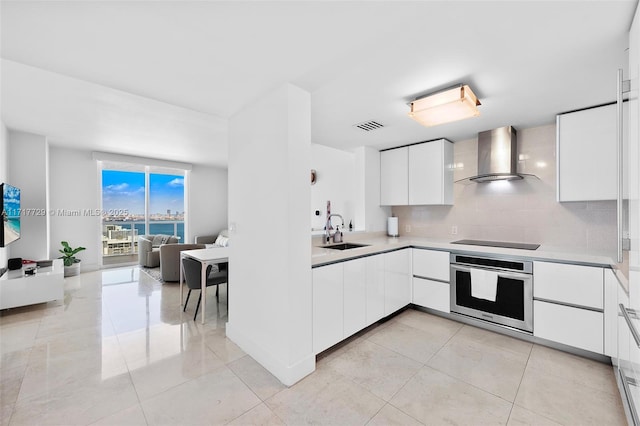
[407, 228]
[454, 230]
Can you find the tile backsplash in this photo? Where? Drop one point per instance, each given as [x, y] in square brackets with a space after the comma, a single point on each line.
[521, 211]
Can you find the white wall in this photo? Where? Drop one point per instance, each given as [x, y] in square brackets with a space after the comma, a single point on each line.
[74, 187]
[351, 181]
[29, 171]
[3, 177]
[371, 217]
[336, 173]
[208, 207]
[270, 253]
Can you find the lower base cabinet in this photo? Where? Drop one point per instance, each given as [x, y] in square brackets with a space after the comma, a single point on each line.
[327, 306]
[431, 294]
[351, 295]
[571, 326]
[375, 288]
[355, 296]
[397, 280]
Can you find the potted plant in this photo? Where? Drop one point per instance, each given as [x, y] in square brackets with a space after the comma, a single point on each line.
[71, 263]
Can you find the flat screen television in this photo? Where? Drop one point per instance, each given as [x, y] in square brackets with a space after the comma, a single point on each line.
[10, 209]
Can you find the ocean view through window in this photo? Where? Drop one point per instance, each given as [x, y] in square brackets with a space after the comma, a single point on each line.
[138, 203]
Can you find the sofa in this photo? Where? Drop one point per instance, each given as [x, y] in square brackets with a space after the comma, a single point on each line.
[170, 260]
[149, 248]
[222, 239]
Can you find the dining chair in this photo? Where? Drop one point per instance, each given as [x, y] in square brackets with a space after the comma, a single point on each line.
[193, 278]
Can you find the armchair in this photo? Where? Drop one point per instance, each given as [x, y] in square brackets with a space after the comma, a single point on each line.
[149, 248]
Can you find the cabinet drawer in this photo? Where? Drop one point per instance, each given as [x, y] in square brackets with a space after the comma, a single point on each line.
[572, 284]
[431, 264]
[580, 328]
[431, 294]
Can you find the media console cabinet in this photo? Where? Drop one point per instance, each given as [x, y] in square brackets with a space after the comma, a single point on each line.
[18, 289]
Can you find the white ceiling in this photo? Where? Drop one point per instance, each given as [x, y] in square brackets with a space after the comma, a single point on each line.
[160, 79]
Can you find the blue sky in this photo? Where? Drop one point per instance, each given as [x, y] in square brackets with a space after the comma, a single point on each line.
[125, 190]
[11, 200]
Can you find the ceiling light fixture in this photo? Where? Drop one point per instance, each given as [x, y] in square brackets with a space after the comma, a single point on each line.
[445, 106]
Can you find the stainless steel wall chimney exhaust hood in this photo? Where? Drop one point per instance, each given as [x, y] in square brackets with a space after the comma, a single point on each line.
[497, 156]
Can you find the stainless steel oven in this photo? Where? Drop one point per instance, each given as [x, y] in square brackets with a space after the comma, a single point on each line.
[513, 304]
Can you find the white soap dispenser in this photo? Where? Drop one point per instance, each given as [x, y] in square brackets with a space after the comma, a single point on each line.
[337, 237]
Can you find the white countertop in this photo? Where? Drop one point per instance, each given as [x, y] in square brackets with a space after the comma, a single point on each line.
[380, 243]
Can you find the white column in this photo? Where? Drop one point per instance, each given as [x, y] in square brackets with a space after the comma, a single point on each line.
[28, 170]
[270, 248]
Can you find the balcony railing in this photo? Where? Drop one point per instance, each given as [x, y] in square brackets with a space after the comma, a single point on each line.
[121, 238]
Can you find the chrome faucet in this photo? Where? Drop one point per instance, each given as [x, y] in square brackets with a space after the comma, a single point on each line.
[327, 234]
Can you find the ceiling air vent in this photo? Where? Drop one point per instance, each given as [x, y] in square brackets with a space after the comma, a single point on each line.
[369, 125]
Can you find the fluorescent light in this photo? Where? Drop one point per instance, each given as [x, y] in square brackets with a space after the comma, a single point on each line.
[444, 107]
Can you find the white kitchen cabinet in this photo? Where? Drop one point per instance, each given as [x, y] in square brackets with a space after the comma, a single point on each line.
[431, 294]
[375, 288]
[349, 296]
[580, 328]
[570, 284]
[328, 316]
[419, 174]
[629, 297]
[575, 305]
[433, 264]
[611, 310]
[355, 296]
[394, 177]
[397, 280]
[431, 275]
[586, 151]
[431, 173]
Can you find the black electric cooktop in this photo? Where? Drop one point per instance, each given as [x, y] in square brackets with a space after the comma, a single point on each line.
[503, 244]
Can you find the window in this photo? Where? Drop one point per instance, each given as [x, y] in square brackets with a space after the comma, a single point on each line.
[139, 200]
[166, 204]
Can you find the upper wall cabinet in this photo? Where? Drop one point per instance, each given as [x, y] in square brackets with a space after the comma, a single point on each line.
[419, 174]
[394, 177]
[586, 150]
[430, 173]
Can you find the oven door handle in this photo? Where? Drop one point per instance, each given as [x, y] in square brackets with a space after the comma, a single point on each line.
[501, 273]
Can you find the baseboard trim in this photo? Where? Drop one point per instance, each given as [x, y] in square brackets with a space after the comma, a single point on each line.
[287, 374]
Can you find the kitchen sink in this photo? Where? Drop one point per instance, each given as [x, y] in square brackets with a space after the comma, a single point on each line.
[345, 246]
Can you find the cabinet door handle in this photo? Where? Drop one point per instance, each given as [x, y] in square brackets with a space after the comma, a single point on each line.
[626, 313]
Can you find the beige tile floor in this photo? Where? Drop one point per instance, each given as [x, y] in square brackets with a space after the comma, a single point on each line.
[118, 351]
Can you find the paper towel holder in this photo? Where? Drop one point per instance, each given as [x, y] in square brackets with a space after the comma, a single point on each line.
[392, 226]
